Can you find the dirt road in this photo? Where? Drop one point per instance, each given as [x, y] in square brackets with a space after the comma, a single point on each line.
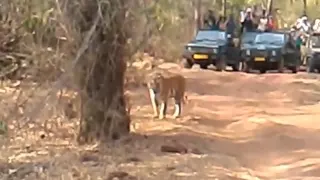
[236, 126]
[245, 126]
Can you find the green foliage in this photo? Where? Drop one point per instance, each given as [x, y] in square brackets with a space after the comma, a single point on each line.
[173, 20]
[3, 128]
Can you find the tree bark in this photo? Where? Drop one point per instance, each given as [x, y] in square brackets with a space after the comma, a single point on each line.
[224, 8]
[100, 71]
[270, 7]
[305, 7]
[199, 14]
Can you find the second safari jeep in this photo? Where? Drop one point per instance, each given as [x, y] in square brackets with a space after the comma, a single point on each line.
[271, 51]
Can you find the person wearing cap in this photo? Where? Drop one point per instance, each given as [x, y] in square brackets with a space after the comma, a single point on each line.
[248, 22]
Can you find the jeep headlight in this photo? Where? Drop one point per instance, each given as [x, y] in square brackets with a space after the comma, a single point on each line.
[215, 51]
[189, 48]
[274, 53]
[248, 52]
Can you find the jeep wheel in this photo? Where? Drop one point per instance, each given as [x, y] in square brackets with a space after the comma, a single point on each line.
[246, 67]
[295, 69]
[203, 66]
[262, 71]
[310, 66]
[310, 70]
[186, 63]
[281, 65]
[236, 67]
[221, 64]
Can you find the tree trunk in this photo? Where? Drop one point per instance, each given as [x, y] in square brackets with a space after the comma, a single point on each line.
[305, 7]
[270, 7]
[198, 12]
[224, 8]
[100, 71]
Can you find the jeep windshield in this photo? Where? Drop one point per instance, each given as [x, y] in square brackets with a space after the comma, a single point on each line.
[210, 36]
[315, 41]
[270, 38]
[249, 37]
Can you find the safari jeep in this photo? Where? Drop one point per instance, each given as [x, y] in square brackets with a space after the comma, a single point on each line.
[313, 57]
[211, 47]
[271, 51]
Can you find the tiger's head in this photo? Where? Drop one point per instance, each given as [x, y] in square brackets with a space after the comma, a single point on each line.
[154, 82]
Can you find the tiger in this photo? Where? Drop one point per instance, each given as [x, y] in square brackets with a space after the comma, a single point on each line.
[163, 85]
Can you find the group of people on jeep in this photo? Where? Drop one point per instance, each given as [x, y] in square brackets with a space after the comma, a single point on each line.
[302, 28]
[222, 23]
[250, 20]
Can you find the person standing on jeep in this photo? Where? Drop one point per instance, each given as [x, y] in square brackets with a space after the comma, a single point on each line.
[263, 22]
[222, 23]
[230, 26]
[303, 24]
[247, 24]
[210, 20]
[316, 26]
[270, 24]
[299, 41]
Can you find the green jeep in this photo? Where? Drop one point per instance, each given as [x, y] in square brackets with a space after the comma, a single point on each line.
[211, 47]
[313, 53]
[271, 51]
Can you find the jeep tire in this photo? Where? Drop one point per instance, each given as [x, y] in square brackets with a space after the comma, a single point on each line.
[246, 67]
[311, 66]
[221, 64]
[281, 65]
[186, 63]
[237, 66]
[203, 66]
[263, 70]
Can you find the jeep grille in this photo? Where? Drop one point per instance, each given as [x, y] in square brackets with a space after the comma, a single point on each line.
[260, 53]
[202, 49]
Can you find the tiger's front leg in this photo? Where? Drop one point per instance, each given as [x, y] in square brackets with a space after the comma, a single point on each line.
[154, 102]
[163, 109]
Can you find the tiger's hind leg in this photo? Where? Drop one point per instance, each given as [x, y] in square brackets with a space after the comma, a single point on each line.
[154, 102]
[177, 109]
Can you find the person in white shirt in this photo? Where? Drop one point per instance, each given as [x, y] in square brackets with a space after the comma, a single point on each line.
[316, 26]
[262, 26]
[247, 23]
[242, 16]
[303, 24]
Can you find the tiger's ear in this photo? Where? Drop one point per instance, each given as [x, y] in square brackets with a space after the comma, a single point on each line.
[144, 84]
[158, 75]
